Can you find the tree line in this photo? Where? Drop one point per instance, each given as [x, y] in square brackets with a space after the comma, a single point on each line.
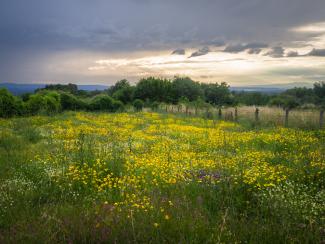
[151, 92]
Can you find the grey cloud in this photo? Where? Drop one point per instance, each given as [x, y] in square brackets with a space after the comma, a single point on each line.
[256, 45]
[253, 48]
[200, 52]
[234, 48]
[317, 52]
[275, 52]
[216, 43]
[102, 25]
[178, 51]
[293, 54]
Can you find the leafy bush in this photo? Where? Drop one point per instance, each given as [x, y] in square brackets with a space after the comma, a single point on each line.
[154, 106]
[106, 103]
[71, 102]
[36, 104]
[48, 103]
[9, 106]
[138, 104]
[125, 95]
[118, 106]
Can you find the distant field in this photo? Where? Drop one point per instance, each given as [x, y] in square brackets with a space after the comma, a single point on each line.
[150, 177]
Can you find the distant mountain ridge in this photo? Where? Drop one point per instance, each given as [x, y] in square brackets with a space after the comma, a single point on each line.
[19, 88]
[271, 88]
[268, 90]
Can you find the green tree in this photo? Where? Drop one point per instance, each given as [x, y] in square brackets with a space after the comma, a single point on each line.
[185, 87]
[125, 94]
[218, 94]
[303, 95]
[70, 88]
[153, 89]
[119, 85]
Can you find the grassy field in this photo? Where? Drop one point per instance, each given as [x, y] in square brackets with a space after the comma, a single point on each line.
[268, 116]
[155, 178]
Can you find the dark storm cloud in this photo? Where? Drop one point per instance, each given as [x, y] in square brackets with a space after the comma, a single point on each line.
[200, 52]
[116, 25]
[39, 28]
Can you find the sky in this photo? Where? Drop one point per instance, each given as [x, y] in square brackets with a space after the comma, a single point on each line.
[241, 42]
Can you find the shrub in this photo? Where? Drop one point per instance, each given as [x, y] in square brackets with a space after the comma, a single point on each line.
[154, 106]
[70, 102]
[125, 94]
[102, 102]
[47, 102]
[8, 104]
[118, 106]
[138, 104]
[36, 104]
[51, 105]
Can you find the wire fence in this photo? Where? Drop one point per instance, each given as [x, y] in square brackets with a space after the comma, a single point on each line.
[263, 115]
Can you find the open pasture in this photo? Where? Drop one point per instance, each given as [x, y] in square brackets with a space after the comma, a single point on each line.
[146, 177]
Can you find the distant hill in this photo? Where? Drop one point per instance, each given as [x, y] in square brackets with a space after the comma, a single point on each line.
[92, 87]
[268, 90]
[18, 89]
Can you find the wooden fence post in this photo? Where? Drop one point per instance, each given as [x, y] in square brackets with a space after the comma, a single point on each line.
[179, 108]
[236, 114]
[257, 114]
[321, 118]
[219, 113]
[231, 117]
[286, 119]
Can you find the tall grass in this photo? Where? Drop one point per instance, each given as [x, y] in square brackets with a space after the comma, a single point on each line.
[268, 116]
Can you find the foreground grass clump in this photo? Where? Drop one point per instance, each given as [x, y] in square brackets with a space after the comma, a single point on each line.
[147, 177]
